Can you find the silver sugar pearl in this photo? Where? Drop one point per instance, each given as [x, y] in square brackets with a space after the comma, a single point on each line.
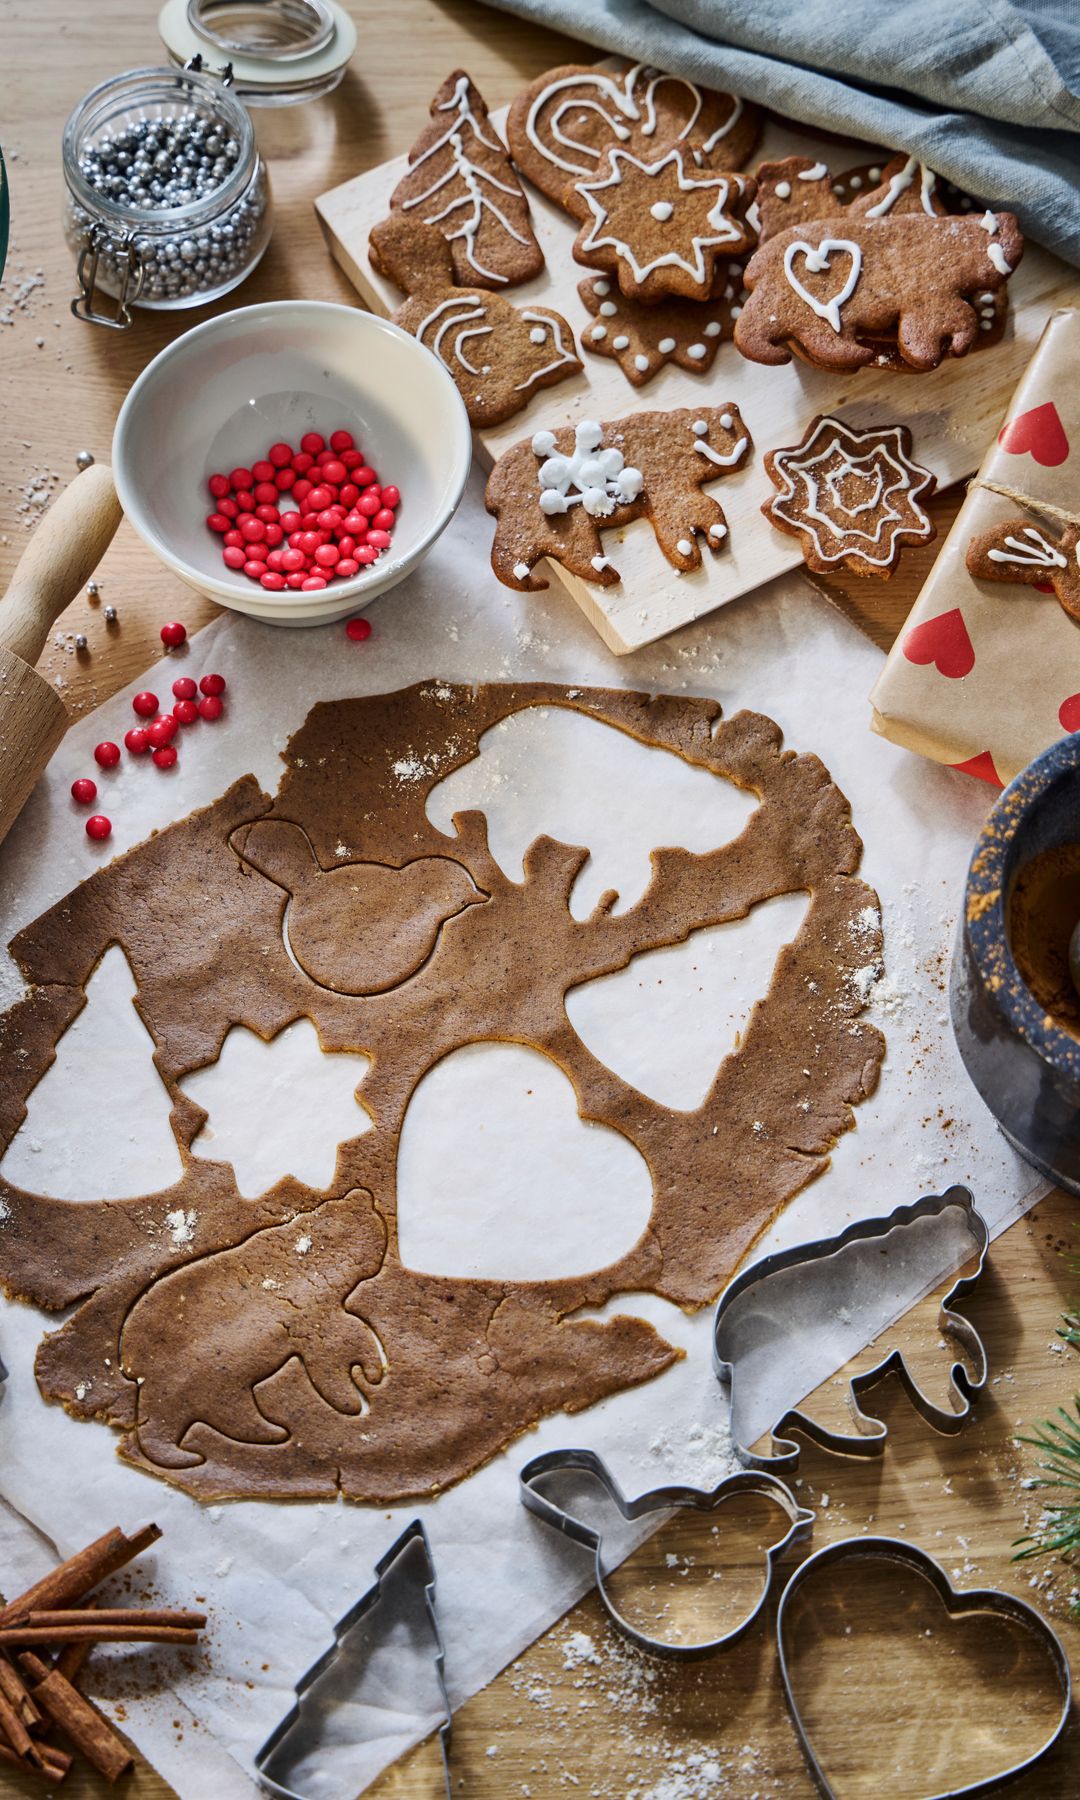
[93, 592]
[110, 615]
[81, 640]
[84, 460]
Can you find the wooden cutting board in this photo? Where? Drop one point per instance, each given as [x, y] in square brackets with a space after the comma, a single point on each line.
[952, 411]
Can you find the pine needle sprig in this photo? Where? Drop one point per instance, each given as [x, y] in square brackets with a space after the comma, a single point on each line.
[1058, 1442]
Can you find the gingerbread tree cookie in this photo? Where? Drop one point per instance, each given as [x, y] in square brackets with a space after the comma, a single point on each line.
[852, 498]
[462, 180]
[499, 355]
[1019, 551]
[641, 339]
[659, 223]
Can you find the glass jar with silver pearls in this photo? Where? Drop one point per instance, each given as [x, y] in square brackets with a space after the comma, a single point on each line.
[168, 199]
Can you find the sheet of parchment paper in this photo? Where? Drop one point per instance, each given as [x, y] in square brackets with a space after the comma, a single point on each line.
[275, 1578]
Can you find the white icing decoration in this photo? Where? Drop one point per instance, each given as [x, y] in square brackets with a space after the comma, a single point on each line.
[621, 99]
[700, 427]
[817, 173]
[662, 210]
[697, 351]
[543, 443]
[986, 299]
[986, 324]
[782, 190]
[726, 421]
[898, 184]
[1038, 553]
[817, 260]
[989, 222]
[456, 316]
[598, 332]
[723, 230]
[601, 479]
[609, 309]
[724, 459]
[472, 175]
[855, 182]
[712, 329]
[666, 346]
[753, 216]
[544, 323]
[641, 363]
[735, 311]
[685, 547]
[522, 571]
[620, 343]
[875, 174]
[601, 287]
[600, 563]
[997, 257]
[870, 468]
[537, 335]
[717, 530]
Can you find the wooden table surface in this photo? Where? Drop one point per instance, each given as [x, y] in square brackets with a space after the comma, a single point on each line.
[554, 1724]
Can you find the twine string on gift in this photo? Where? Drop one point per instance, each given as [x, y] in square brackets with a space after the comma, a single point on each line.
[1027, 500]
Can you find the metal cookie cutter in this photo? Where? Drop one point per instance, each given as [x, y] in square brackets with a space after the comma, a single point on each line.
[777, 1308]
[407, 1564]
[956, 1602]
[662, 1499]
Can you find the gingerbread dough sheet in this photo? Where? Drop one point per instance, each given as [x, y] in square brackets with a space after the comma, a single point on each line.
[286, 1349]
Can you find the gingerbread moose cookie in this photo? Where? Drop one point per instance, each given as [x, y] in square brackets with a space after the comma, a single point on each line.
[552, 496]
[497, 354]
[1034, 555]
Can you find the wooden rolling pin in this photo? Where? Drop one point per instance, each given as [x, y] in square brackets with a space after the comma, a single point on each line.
[60, 558]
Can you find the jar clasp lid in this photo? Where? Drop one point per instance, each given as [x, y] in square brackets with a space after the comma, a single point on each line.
[130, 264]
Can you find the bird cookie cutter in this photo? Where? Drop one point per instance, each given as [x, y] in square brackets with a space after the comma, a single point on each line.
[394, 1580]
[750, 1324]
[662, 1499]
[957, 1602]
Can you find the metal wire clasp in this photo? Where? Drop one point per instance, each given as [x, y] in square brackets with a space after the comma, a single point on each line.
[198, 67]
[130, 265]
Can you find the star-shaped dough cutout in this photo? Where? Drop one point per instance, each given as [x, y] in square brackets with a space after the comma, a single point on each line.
[851, 497]
[659, 223]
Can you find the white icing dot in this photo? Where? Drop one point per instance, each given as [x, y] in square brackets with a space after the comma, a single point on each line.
[984, 299]
[543, 443]
[620, 343]
[729, 291]
[874, 175]
[641, 363]
[685, 547]
[726, 421]
[662, 210]
[735, 311]
[598, 332]
[622, 132]
[718, 531]
[986, 324]
[855, 182]
[537, 334]
[782, 190]
[601, 288]
[697, 351]
[712, 329]
[609, 309]
[551, 501]
[700, 428]
[600, 563]
[522, 571]
[666, 346]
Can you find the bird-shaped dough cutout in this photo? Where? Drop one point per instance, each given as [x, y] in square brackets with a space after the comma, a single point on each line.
[1034, 555]
[363, 927]
[498, 354]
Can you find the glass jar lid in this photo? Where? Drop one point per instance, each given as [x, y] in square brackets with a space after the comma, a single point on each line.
[272, 52]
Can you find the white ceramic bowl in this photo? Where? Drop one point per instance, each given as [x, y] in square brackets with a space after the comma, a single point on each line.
[225, 391]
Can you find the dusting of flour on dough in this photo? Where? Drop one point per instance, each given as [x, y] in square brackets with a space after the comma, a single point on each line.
[303, 1245]
[181, 1226]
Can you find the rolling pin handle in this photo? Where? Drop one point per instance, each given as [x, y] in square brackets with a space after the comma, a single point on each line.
[61, 556]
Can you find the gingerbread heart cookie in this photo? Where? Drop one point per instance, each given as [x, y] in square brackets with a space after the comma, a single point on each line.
[498, 354]
[1019, 551]
[559, 126]
[554, 494]
[641, 339]
[852, 498]
[659, 223]
[461, 179]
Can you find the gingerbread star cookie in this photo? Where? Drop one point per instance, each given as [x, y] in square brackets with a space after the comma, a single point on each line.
[462, 180]
[559, 127]
[498, 354]
[851, 497]
[659, 223]
[1021, 552]
[641, 339]
[552, 496]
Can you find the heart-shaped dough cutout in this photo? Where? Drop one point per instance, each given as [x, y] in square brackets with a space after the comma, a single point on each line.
[817, 261]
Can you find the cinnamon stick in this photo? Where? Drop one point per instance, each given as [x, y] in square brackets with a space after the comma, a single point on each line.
[12, 1685]
[71, 1659]
[14, 1730]
[111, 1615]
[80, 1574]
[78, 1718]
[53, 1766]
[21, 1636]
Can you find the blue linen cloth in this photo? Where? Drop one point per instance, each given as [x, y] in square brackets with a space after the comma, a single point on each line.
[987, 92]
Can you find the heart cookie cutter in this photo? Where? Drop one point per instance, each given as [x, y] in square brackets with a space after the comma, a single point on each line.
[744, 1324]
[662, 1499]
[956, 1601]
[387, 1598]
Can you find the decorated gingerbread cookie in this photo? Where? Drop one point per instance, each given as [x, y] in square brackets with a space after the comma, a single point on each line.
[641, 339]
[462, 180]
[852, 498]
[498, 354]
[831, 289]
[659, 223]
[559, 127]
[1035, 555]
[554, 494]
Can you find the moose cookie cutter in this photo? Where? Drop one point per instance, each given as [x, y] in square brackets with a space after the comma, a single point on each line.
[386, 1597]
[749, 1323]
[662, 1499]
[957, 1602]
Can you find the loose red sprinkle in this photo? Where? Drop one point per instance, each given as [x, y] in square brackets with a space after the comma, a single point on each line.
[311, 443]
[219, 486]
[186, 711]
[98, 826]
[145, 704]
[184, 688]
[84, 790]
[358, 630]
[162, 731]
[107, 755]
[137, 740]
[210, 707]
[173, 634]
[165, 756]
[280, 455]
[213, 684]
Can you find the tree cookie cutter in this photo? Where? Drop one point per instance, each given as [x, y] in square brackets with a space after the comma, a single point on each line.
[662, 1499]
[750, 1325]
[956, 1601]
[406, 1566]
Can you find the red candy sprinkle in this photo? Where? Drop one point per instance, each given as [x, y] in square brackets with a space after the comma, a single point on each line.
[241, 478]
[213, 684]
[165, 756]
[186, 711]
[137, 740]
[173, 634]
[184, 688]
[145, 704]
[98, 827]
[391, 497]
[217, 521]
[280, 455]
[311, 443]
[219, 486]
[162, 731]
[358, 630]
[210, 707]
[342, 440]
[263, 471]
[84, 790]
[107, 755]
[234, 557]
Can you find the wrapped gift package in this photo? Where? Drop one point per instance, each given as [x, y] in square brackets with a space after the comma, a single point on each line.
[986, 672]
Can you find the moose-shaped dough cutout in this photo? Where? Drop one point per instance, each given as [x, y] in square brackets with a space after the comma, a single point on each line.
[363, 927]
